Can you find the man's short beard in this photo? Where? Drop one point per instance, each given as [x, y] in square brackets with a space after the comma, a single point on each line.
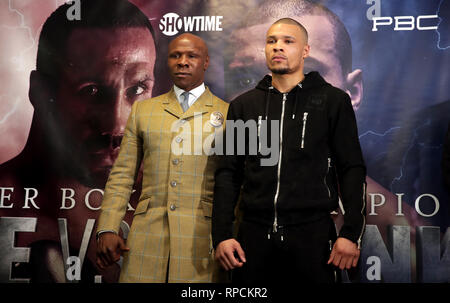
[280, 71]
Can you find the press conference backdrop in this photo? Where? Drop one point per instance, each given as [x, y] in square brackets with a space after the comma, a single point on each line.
[392, 58]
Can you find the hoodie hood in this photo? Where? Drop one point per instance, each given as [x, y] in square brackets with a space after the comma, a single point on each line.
[312, 79]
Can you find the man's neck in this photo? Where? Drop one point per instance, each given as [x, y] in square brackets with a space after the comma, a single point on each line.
[188, 89]
[285, 82]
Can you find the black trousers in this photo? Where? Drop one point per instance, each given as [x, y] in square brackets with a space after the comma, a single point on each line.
[294, 254]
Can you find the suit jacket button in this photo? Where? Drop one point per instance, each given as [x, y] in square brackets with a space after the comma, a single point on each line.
[173, 183]
[175, 161]
[172, 207]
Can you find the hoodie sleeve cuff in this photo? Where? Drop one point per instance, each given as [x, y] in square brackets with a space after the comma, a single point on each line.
[351, 235]
[217, 238]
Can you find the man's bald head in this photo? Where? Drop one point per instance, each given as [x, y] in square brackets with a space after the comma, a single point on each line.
[194, 39]
[296, 23]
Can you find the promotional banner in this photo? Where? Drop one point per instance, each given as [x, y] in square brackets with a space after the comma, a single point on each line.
[64, 106]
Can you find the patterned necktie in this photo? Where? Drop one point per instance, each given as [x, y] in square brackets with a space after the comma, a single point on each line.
[185, 102]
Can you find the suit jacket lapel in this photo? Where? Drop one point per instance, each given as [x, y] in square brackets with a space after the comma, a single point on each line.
[203, 105]
[171, 104]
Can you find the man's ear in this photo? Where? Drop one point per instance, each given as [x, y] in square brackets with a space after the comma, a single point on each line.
[306, 50]
[354, 86]
[42, 90]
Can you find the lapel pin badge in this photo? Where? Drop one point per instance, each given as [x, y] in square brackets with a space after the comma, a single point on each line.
[216, 119]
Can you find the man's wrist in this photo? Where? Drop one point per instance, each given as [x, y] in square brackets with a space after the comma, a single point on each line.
[346, 238]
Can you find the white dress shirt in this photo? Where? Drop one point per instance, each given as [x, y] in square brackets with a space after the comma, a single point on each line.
[194, 94]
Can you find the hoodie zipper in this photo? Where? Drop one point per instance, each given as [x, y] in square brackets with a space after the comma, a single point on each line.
[325, 178]
[259, 133]
[305, 117]
[275, 200]
[364, 218]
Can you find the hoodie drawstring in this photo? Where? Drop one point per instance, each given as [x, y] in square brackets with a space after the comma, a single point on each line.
[295, 106]
[267, 102]
[295, 102]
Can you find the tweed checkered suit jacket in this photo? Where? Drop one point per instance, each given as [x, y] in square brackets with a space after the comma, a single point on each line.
[172, 222]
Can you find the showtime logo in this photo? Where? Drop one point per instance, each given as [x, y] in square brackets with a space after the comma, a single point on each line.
[171, 23]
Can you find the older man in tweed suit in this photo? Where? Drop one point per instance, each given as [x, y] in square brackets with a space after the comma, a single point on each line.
[171, 135]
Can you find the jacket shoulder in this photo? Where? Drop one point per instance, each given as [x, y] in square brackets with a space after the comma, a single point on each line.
[149, 104]
[152, 100]
[248, 95]
[243, 101]
[220, 104]
[335, 92]
[334, 97]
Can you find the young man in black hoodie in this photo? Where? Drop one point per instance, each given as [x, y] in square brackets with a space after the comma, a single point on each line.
[286, 233]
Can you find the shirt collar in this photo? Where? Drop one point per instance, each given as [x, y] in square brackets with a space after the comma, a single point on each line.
[196, 92]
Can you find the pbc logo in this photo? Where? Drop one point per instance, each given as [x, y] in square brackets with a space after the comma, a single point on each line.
[171, 23]
[406, 23]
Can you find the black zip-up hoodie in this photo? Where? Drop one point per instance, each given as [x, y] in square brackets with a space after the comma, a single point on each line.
[319, 160]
